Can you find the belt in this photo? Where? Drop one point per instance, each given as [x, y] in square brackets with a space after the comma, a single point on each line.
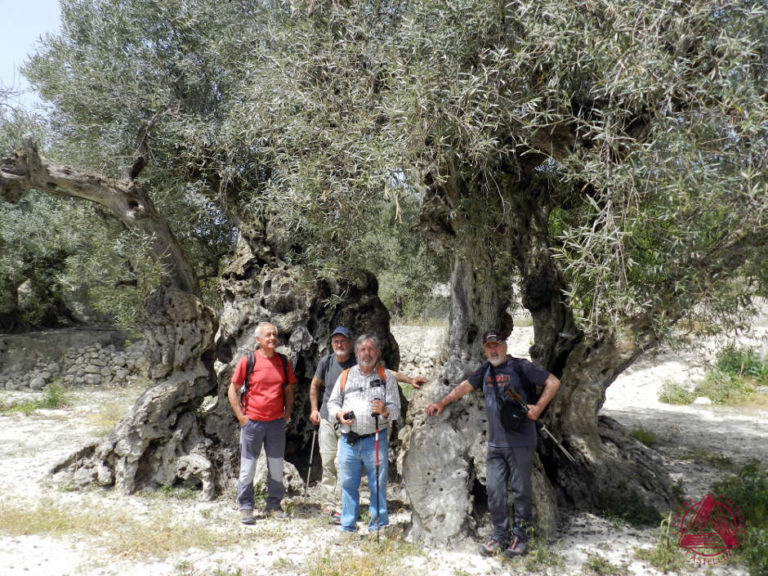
[361, 436]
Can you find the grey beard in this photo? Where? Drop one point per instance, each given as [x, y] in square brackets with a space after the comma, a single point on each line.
[497, 361]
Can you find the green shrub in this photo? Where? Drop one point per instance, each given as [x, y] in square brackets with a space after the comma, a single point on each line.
[748, 490]
[666, 555]
[675, 393]
[647, 437]
[742, 362]
[725, 388]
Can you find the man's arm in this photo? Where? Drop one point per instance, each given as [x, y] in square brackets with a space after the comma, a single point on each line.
[551, 384]
[234, 402]
[415, 381]
[314, 395]
[459, 392]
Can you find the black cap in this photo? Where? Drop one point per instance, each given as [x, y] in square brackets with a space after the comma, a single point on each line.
[492, 336]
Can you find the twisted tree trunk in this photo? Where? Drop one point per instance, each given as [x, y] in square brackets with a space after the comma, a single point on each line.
[443, 464]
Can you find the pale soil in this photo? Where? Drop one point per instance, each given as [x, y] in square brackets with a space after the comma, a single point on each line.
[30, 445]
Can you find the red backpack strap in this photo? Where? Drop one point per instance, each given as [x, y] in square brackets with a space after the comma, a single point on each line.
[382, 374]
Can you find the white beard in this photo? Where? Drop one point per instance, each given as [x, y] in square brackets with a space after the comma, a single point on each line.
[497, 361]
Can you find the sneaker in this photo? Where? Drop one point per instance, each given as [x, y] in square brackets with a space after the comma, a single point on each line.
[516, 548]
[336, 518]
[277, 514]
[246, 516]
[490, 547]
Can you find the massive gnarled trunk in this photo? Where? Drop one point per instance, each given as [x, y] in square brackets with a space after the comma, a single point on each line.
[612, 471]
[165, 438]
[444, 461]
[257, 287]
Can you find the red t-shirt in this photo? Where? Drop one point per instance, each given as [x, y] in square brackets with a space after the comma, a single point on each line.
[265, 391]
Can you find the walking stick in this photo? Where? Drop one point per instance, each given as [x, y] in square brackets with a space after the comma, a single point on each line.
[311, 453]
[376, 443]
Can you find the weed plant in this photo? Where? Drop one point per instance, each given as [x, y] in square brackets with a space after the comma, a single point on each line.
[748, 490]
[666, 556]
[365, 558]
[54, 397]
[732, 380]
[647, 437]
[601, 566]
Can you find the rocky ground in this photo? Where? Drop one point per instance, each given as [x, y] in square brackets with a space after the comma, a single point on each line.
[46, 529]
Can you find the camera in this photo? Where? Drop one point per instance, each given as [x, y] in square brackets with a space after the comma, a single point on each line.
[349, 415]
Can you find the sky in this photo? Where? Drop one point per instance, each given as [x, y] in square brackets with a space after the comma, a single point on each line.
[22, 24]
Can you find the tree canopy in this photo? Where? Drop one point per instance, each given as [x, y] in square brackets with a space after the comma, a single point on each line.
[640, 125]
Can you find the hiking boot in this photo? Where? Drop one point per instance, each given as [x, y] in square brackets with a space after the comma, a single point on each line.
[335, 518]
[516, 548]
[490, 547]
[246, 517]
[277, 513]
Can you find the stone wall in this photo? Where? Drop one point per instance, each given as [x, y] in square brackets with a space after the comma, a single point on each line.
[71, 358]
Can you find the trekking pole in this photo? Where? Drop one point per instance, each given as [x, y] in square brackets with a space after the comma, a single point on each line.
[311, 453]
[516, 397]
[376, 444]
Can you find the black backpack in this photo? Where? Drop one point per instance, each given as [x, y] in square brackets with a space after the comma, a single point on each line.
[249, 368]
[532, 393]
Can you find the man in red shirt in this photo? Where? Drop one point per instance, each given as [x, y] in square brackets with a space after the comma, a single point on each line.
[265, 412]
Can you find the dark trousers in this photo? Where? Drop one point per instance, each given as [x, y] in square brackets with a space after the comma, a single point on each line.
[502, 465]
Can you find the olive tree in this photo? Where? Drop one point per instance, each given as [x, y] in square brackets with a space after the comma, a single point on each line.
[609, 154]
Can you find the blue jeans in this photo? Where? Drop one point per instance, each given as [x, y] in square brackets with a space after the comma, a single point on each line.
[501, 464]
[351, 462]
[252, 436]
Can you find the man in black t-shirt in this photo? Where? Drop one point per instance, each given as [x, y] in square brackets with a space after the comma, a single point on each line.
[510, 453]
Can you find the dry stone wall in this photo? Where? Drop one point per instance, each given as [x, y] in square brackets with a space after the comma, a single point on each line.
[70, 358]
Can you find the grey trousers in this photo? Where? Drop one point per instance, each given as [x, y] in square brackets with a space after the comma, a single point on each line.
[252, 436]
[502, 465]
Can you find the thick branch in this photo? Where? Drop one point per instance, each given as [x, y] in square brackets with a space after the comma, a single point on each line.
[126, 200]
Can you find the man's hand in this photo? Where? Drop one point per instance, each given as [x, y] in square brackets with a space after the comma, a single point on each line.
[340, 418]
[377, 407]
[418, 381]
[533, 412]
[314, 417]
[434, 409]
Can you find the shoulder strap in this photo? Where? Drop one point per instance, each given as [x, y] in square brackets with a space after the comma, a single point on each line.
[284, 360]
[531, 391]
[343, 380]
[244, 391]
[382, 373]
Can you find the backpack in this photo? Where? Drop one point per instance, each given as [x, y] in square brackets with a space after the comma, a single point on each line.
[249, 368]
[532, 393]
[345, 374]
[513, 414]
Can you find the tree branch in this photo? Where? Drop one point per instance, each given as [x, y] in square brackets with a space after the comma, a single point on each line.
[125, 200]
